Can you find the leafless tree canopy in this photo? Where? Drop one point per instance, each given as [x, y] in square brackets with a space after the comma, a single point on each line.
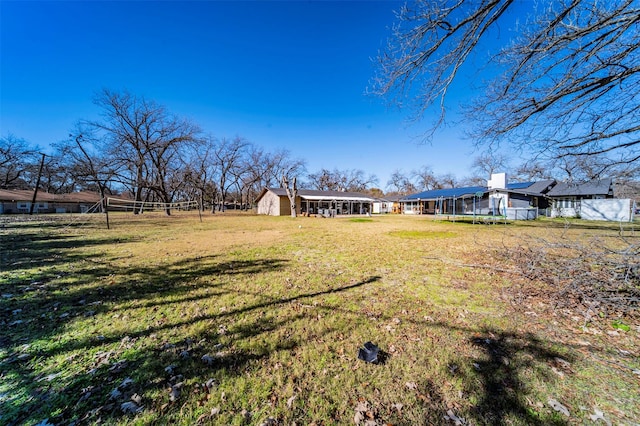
[143, 140]
[341, 180]
[565, 84]
[17, 161]
[487, 164]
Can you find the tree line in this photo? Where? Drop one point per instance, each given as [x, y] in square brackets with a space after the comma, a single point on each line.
[138, 148]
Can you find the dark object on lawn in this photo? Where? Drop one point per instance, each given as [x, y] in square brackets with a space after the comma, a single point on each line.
[369, 353]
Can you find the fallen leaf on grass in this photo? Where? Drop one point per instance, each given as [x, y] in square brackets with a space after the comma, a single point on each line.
[562, 363]
[136, 398]
[130, 407]
[211, 384]
[125, 383]
[118, 367]
[599, 415]
[166, 346]
[290, 402]
[455, 419]
[174, 392]
[558, 407]
[398, 407]
[270, 421]
[49, 377]
[246, 415]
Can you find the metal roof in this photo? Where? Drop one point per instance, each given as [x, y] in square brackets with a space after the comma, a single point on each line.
[446, 193]
[541, 186]
[594, 187]
[519, 185]
[529, 188]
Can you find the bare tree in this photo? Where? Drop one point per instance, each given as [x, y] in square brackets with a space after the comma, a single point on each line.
[228, 157]
[425, 178]
[489, 163]
[446, 180]
[353, 180]
[57, 178]
[473, 180]
[531, 171]
[324, 180]
[281, 163]
[566, 78]
[143, 139]
[263, 169]
[200, 173]
[18, 159]
[400, 183]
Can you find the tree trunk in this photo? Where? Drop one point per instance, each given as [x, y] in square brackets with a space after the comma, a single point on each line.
[292, 193]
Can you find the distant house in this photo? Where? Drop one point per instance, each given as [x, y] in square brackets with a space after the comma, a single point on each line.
[518, 200]
[382, 206]
[274, 202]
[567, 198]
[19, 202]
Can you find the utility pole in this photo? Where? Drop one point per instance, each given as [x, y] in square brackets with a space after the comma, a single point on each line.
[35, 191]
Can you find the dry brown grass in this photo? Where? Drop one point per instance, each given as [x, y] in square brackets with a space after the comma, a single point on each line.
[270, 313]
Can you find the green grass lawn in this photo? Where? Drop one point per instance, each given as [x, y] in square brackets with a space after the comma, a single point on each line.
[242, 319]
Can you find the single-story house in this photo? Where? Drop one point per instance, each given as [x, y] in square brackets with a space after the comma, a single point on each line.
[566, 197]
[592, 200]
[518, 200]
[19, 202]
[275, 202]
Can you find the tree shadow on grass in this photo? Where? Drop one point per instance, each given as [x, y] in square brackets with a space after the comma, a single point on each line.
[126, 366]
[500, 372]
[22, 251]
[494, 370]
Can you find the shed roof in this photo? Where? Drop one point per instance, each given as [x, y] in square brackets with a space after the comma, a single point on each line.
[312, 194]
[594, 187]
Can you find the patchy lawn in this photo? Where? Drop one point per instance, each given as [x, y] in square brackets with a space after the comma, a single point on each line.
[240, 319]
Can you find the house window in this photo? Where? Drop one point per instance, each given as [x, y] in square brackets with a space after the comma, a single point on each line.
[565, 203]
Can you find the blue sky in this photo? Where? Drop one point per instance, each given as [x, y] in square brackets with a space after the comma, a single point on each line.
[289, 75]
